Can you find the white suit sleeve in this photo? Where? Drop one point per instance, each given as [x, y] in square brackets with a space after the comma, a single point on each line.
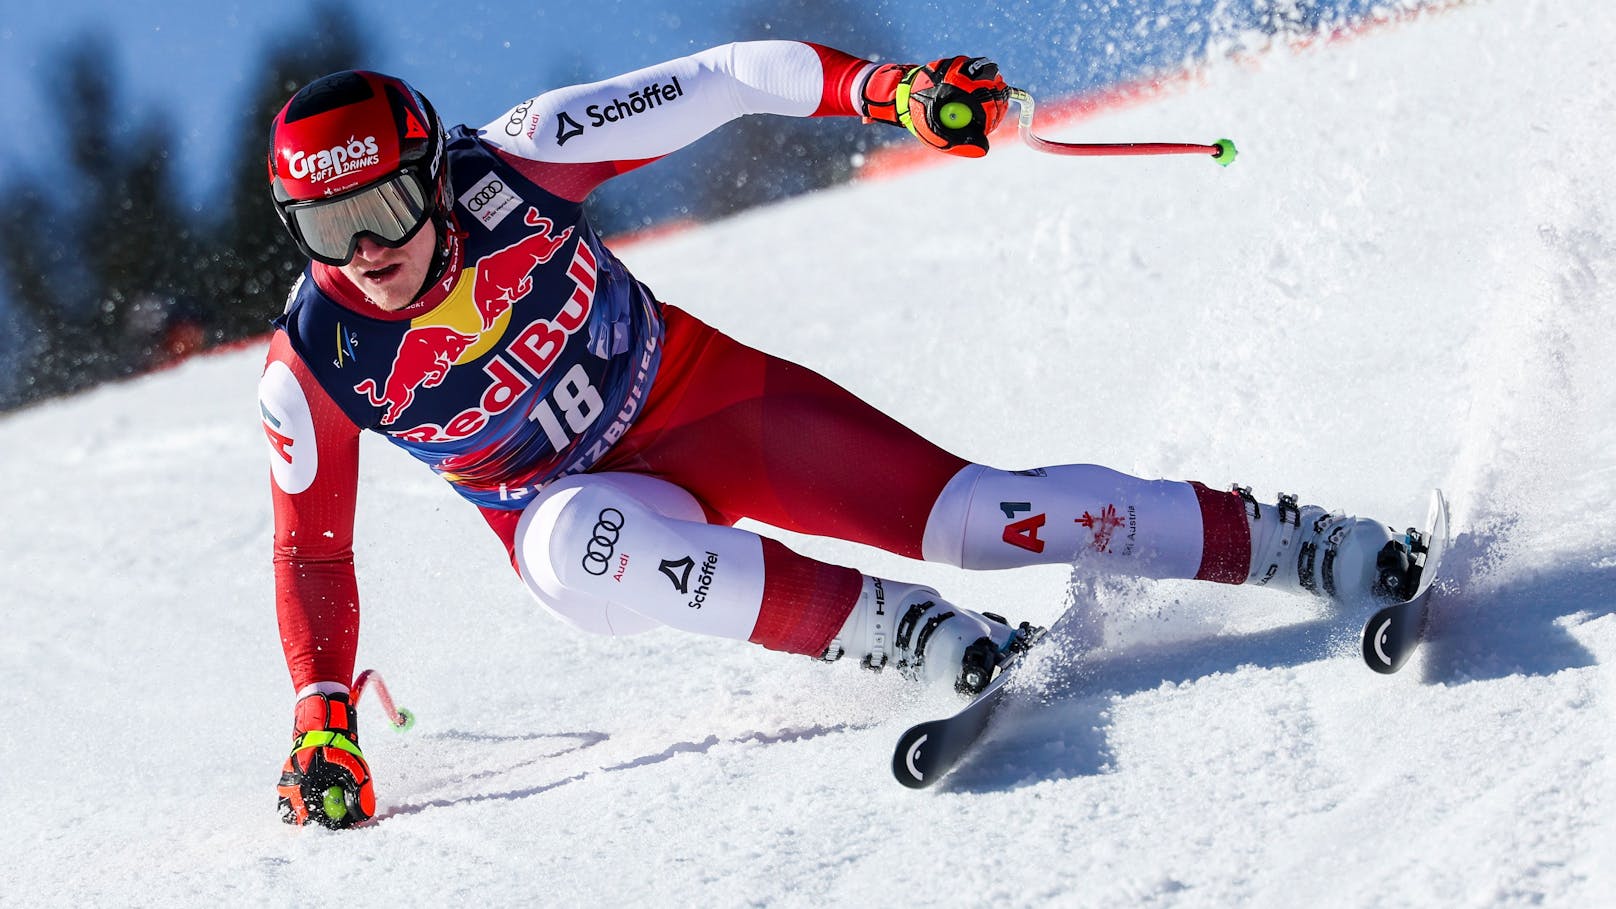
[657, 110]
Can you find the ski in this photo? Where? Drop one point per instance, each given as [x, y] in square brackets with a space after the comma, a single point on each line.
[927, 751]
[1393, 632]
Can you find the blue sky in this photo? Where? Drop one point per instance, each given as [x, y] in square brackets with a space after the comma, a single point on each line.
[195, 58]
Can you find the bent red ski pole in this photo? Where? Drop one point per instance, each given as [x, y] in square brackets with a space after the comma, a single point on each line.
[400, 718]
[1221, 151]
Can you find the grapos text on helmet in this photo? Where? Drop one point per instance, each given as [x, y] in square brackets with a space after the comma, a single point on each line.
[327, 163]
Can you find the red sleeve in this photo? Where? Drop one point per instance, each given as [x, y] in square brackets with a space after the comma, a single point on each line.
[314, 467]
[570, 181]
[843, 71]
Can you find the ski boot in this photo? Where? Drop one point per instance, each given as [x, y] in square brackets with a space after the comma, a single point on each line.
[1350, 560]
[927, 638]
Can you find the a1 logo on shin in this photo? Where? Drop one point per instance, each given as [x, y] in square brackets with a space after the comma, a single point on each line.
[1023, 532]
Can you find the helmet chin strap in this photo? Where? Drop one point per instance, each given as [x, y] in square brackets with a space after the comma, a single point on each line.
[443, 254]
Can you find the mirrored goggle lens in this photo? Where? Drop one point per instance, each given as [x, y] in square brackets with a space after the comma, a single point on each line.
[391, 211]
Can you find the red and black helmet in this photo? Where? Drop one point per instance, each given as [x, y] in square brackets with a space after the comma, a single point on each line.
[358, 153]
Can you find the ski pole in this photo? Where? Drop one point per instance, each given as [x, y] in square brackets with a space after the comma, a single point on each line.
[1221, 151]
[400, 718]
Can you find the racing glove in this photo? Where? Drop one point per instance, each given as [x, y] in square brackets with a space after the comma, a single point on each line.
[950, 104]
[325, 779]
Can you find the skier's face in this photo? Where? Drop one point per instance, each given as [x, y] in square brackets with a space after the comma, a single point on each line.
[391, 278]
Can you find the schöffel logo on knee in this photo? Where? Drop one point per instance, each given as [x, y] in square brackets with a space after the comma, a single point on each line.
[704, 580]
[603, 541]
[678, 572]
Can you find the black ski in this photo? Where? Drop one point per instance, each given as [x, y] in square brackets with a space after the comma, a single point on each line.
[1393, 632]
[926, 752]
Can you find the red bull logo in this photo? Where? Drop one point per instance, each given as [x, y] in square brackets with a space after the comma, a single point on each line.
[531, 353]
[507, 276]
[423, 359]
[460, 332]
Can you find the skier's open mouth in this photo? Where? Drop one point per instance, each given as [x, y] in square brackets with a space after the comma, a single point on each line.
[383, 273]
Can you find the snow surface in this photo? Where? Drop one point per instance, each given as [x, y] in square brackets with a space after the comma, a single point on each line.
[1425, 210]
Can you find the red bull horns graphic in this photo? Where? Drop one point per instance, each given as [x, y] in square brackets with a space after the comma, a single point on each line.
[499, 280]
[506, 276]
[424, 357]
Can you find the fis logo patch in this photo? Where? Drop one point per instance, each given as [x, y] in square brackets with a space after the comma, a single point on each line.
[347, 347]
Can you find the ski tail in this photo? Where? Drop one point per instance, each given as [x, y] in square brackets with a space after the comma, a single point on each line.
[927, 751]
[1395, 630]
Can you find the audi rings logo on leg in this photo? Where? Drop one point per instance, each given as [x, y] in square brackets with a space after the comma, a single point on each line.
[603, 541]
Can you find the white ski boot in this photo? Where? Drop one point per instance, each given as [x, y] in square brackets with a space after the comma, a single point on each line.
[926, 637]
[1305, 549]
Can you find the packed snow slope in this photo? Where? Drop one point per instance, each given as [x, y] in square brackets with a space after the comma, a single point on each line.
[1407, 280]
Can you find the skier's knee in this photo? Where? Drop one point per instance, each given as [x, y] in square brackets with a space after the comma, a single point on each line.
[568, 544]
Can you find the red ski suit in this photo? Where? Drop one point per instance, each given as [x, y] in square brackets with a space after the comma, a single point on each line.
[745, 433]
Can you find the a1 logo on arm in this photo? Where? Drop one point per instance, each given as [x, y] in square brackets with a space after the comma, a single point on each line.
[289, 428]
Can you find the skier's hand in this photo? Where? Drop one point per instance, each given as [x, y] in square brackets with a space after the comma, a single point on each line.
[950, 104]
[325, 779]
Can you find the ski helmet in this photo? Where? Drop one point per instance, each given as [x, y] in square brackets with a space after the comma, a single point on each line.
[358, 153]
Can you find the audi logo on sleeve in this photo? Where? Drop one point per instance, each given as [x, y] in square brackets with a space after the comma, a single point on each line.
[516, 121]
[603, 541]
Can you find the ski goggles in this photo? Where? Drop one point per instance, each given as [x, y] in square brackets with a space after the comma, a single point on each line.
[390, 212]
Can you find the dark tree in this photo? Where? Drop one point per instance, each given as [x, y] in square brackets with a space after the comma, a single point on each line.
[251, 262]
[86, 255]
[110, 269]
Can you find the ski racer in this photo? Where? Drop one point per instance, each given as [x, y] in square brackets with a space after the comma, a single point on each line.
[459, 303]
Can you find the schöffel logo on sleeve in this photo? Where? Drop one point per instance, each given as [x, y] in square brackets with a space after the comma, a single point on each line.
[489, 200]
[619, 109]
[678, 572]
